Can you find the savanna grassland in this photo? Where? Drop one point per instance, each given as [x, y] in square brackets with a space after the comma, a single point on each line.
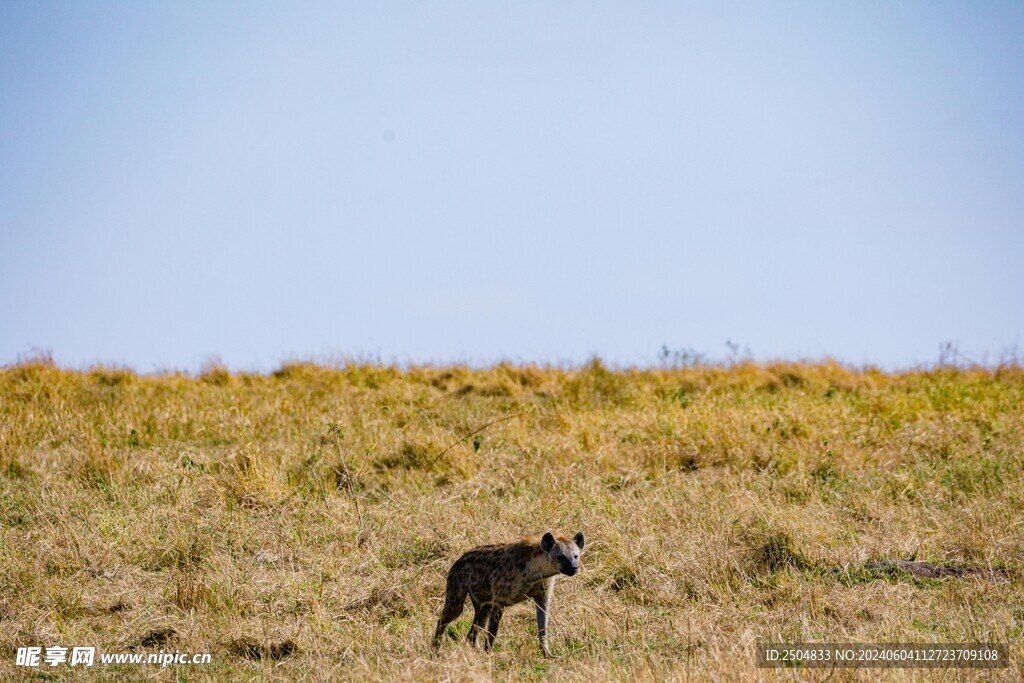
[299, 525]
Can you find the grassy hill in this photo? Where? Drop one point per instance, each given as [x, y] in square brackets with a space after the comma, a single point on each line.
[300, 525]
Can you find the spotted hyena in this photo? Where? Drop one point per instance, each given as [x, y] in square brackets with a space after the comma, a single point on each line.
[496, 576]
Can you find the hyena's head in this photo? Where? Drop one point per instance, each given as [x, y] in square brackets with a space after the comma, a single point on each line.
[563, 554]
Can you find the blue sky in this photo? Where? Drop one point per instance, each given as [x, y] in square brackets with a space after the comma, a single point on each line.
[437, 182]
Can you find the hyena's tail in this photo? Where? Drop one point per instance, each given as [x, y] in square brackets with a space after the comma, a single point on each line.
[454, 601]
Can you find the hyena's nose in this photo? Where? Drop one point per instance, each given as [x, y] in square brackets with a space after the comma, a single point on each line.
[570, 570]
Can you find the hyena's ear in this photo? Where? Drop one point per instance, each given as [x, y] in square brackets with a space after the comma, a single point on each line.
[547, 542]
[579, 540]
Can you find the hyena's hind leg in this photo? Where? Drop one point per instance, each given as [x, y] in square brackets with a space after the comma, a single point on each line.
[454, 601]
[483, 613]
[492, 627]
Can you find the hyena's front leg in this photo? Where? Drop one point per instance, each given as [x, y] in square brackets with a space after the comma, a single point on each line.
[542, 628]
[542, 599]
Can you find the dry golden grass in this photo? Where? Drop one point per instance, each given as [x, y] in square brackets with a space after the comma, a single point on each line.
[300, 525]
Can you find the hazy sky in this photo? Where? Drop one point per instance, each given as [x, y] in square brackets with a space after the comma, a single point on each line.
[532, 181]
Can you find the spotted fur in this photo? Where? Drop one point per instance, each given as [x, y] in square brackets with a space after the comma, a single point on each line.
[498, 576]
